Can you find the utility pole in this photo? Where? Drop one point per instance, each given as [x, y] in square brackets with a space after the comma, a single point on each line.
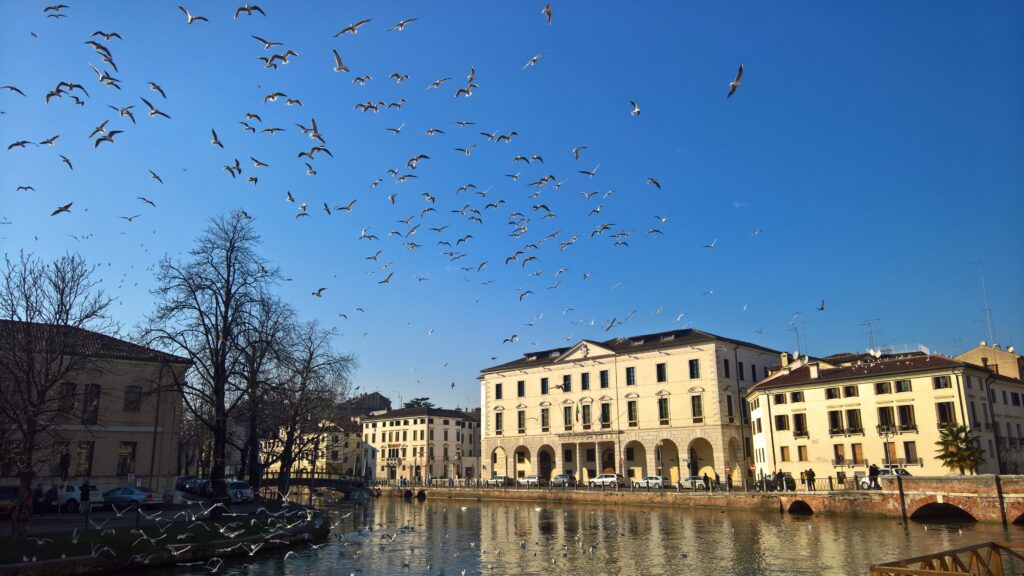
[988, 310]
[871, 331]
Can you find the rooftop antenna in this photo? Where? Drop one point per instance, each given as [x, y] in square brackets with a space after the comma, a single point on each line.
[796, 330]
[871, 331]
[984, 295]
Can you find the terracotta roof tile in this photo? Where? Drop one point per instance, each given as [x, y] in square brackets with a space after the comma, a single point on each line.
[87, 343]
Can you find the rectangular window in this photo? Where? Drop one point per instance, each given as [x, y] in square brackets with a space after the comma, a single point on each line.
[567, 383]
[631, 413]
[497, 391]
[126, 458]
[883, 388]
[694, 369]
[660, 372]
[784, 453]
[520, 389]
[757, 426]
[753, 373]
[940, 382]
[67, 397]
[83, 460]
[568, 455]
[630, 376]
[603, 376]
[831, 393]
[907, 419]
[545, 420]
[1005, 401]
[857, 453]
[697, 408]
[801, 453]
[910, 452]
[886, 417]
[835, 421]
[606, 415]
[728, 407]
[945, 414]
[839, 453]
[849, 391]
[739, 370]
[567, 417]
[586, 416]
[782, 422]
[853, 423]
[585, 381]
[498, 417]
[796, 397]
[779, 399]
[91, 404]
[800, 425]
[1015, 398]
[520, 420]
[903, 386]
[663, 416]
[725, 368]
[543, 386]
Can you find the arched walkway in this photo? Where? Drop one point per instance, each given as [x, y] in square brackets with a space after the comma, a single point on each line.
[800, 508]
[607, 462]
[545, 461]
[635, 456]
[944, 512]
[702, 458]
[666, 460]
[523, 463]
[500, 466]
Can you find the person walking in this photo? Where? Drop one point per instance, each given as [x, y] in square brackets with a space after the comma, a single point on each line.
[810, 479]
[718, 482]
[52, 499]
[86, 489]
[707, 482]
[873, 477]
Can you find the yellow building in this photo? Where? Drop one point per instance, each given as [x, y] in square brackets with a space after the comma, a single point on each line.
[992, 356]
[421, 444]
[121, 416]
[846, 412]
[331, 449]
[669, 403]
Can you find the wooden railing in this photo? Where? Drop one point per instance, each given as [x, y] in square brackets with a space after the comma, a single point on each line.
[985, 559]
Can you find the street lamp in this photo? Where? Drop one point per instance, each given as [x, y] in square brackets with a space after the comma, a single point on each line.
[885, 430]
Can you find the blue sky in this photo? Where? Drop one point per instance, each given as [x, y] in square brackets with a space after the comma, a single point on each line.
[878, 146]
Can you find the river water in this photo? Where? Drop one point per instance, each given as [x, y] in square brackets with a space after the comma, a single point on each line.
[458, 538]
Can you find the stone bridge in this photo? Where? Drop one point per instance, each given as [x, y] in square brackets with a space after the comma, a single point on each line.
[986, 497]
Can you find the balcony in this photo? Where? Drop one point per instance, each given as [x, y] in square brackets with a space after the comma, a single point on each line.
[606, 425]
[910, 461]
[522, 430]
[912, 427]
[801, 434]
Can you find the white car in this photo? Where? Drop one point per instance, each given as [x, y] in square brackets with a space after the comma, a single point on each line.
[651, 482]
[693, 483]
[239, 491]
[536, 481]
[865, 481]
[607, 480]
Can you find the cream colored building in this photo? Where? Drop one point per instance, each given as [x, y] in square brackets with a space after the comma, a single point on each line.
[992, 356]
[669, 403]
[844, 413]
[421, 444]
[330, 450]
[121, 417]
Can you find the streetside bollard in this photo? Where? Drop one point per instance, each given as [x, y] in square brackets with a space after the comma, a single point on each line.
[831, 488]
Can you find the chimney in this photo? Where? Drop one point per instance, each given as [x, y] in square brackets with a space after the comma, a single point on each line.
[997, 346]
[814, 370]
[785, 359]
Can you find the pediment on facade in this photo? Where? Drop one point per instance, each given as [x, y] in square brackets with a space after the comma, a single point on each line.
[661, 393]
[586, 400]
[499, 408]
[567, 402]
[696, 389]
[605, 398]
[545, 403]
[632, 396]
[582, 350]
[520, 406]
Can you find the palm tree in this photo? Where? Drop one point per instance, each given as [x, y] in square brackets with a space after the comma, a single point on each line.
[958, 449]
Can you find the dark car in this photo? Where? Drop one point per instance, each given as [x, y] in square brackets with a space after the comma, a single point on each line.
[127, 495]
[563, 480]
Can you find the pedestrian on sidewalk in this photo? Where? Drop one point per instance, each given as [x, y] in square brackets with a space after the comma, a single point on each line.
[810, 479]
[707, 481]
[86, 489]
[52, 499]
[873, 477]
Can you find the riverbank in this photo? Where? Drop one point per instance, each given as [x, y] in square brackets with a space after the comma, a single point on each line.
[204, 543]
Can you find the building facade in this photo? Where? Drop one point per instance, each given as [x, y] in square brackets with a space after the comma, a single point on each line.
[421, 444]
[120, 416]
[669, 404]
[992, 356]
[842, 414]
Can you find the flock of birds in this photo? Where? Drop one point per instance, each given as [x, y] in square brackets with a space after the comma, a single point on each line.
[521, 206]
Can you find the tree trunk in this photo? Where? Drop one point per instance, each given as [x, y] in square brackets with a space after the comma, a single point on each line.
[21, 515]
[284, 478]
[253, 447]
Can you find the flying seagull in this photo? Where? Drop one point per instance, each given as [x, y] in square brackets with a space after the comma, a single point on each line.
[62, 209]
[338, 66]
[319, 293]
[190, 17]
[736, 82]
[546, 11]
[215, 141]
[353, 28]
[533, 61]
[636, 108]
[401, 24]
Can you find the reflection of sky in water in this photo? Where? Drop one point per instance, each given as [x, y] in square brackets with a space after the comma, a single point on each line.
[517, 538]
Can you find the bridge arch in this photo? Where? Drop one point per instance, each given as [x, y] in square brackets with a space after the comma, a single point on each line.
[800, 508]
[928, 509]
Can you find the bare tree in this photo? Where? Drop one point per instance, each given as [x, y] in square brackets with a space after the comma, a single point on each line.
[315, 379]
[204, 302]
[44, 310]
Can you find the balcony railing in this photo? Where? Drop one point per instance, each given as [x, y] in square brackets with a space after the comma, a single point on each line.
[801, 434]
[849, 462]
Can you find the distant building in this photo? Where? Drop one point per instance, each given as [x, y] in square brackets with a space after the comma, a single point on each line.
[122, 414]
[1003, 362]
[419, 444]
[845, 412]
[669, 403]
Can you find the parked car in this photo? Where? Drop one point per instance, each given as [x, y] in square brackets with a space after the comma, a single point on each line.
[865, 482]
[563, 480]
[651, 482]
[693, 483]
[534, 480]
[69, 498]
[240, 491]
[499, 481]
[608, 480]
[126, 495]
[8, 500]
[774, 483]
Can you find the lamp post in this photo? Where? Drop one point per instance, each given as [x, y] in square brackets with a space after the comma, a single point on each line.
[885, 430]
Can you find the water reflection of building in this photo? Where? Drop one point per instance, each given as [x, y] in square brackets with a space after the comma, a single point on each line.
[418, 444]
[668, 403]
